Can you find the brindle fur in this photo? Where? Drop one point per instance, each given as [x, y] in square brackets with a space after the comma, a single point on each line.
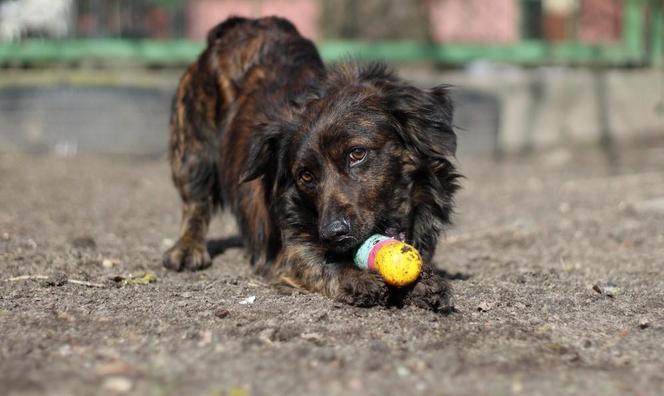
[257, 108]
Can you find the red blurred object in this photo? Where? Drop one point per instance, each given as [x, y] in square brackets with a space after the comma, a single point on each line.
[494, 21]
[87, 25]
[204, 14]
[555, 27]
[600, 21]
[158, 23]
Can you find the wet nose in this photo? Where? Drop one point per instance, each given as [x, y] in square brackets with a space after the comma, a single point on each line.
[335, 230]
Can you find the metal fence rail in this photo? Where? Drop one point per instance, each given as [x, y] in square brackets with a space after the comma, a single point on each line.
[641, 43]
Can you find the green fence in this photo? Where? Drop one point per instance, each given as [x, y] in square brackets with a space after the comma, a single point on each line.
[642, 43]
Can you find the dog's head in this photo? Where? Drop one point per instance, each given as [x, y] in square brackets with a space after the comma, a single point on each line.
[357, 158]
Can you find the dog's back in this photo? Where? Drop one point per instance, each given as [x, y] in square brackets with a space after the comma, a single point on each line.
[250, 68]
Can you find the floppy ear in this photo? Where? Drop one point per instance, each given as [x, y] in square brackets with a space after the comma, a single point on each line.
[269, 149]
[267, 156]
[425, 120]
[262, 153]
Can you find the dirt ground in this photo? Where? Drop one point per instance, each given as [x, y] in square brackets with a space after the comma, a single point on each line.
[556, 263]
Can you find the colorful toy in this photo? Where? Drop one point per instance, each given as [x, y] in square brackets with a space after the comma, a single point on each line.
[398, 263]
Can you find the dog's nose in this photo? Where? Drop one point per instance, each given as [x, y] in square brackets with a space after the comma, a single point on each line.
[335, 230]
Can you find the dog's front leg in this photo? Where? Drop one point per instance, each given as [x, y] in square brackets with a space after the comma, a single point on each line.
[306, 267]
[190, 252]
[195, 179]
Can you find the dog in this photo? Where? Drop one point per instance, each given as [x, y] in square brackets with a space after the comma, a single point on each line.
[311, 160]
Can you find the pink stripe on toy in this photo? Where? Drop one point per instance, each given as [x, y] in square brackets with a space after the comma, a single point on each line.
[371, 260]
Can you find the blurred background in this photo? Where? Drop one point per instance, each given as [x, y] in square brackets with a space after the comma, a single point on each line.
[96, 76]
[555, 258]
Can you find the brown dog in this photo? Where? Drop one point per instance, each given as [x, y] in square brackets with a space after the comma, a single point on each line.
[311, 161]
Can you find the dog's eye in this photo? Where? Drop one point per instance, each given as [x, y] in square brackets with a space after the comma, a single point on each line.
[306, 177]
[357, 155]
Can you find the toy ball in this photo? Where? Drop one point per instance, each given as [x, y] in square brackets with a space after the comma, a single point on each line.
[398, 263]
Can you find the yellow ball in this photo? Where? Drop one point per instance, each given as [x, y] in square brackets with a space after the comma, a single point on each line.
[398, 263]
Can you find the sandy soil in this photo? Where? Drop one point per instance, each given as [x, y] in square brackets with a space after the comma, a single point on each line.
[556, 259]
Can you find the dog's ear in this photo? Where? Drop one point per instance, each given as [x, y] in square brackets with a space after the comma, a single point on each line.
[425, 120]
[267, 155]
[271, 141]
[260, 154]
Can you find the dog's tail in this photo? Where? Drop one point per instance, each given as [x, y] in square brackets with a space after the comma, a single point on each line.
[271, 22]
[223, 27]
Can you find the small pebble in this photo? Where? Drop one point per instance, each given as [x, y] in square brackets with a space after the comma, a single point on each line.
[65, 350]
[644, 323]
[612, 290]
[248, 300]
[403, 371]
[609, 289]
[205, 337]
[267, 335]
[117, 384]
[109, 263]
[484, 306]
[221, 313]
[116, 368]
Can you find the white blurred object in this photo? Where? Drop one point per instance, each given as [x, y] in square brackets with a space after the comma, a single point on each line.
[66, 148]
[560, 7]
[248, 300]
[51, 18]
[483, 68]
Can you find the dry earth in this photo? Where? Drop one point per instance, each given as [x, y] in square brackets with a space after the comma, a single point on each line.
[556, 263]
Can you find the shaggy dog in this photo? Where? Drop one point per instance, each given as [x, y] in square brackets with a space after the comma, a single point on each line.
[311, 160]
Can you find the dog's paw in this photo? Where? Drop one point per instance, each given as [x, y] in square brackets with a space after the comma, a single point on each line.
[362, 289]
[183, 256]
[431, 292]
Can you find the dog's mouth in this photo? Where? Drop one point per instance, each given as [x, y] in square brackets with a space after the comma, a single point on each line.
[345, 245]
[345, 248]
[396, 233]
